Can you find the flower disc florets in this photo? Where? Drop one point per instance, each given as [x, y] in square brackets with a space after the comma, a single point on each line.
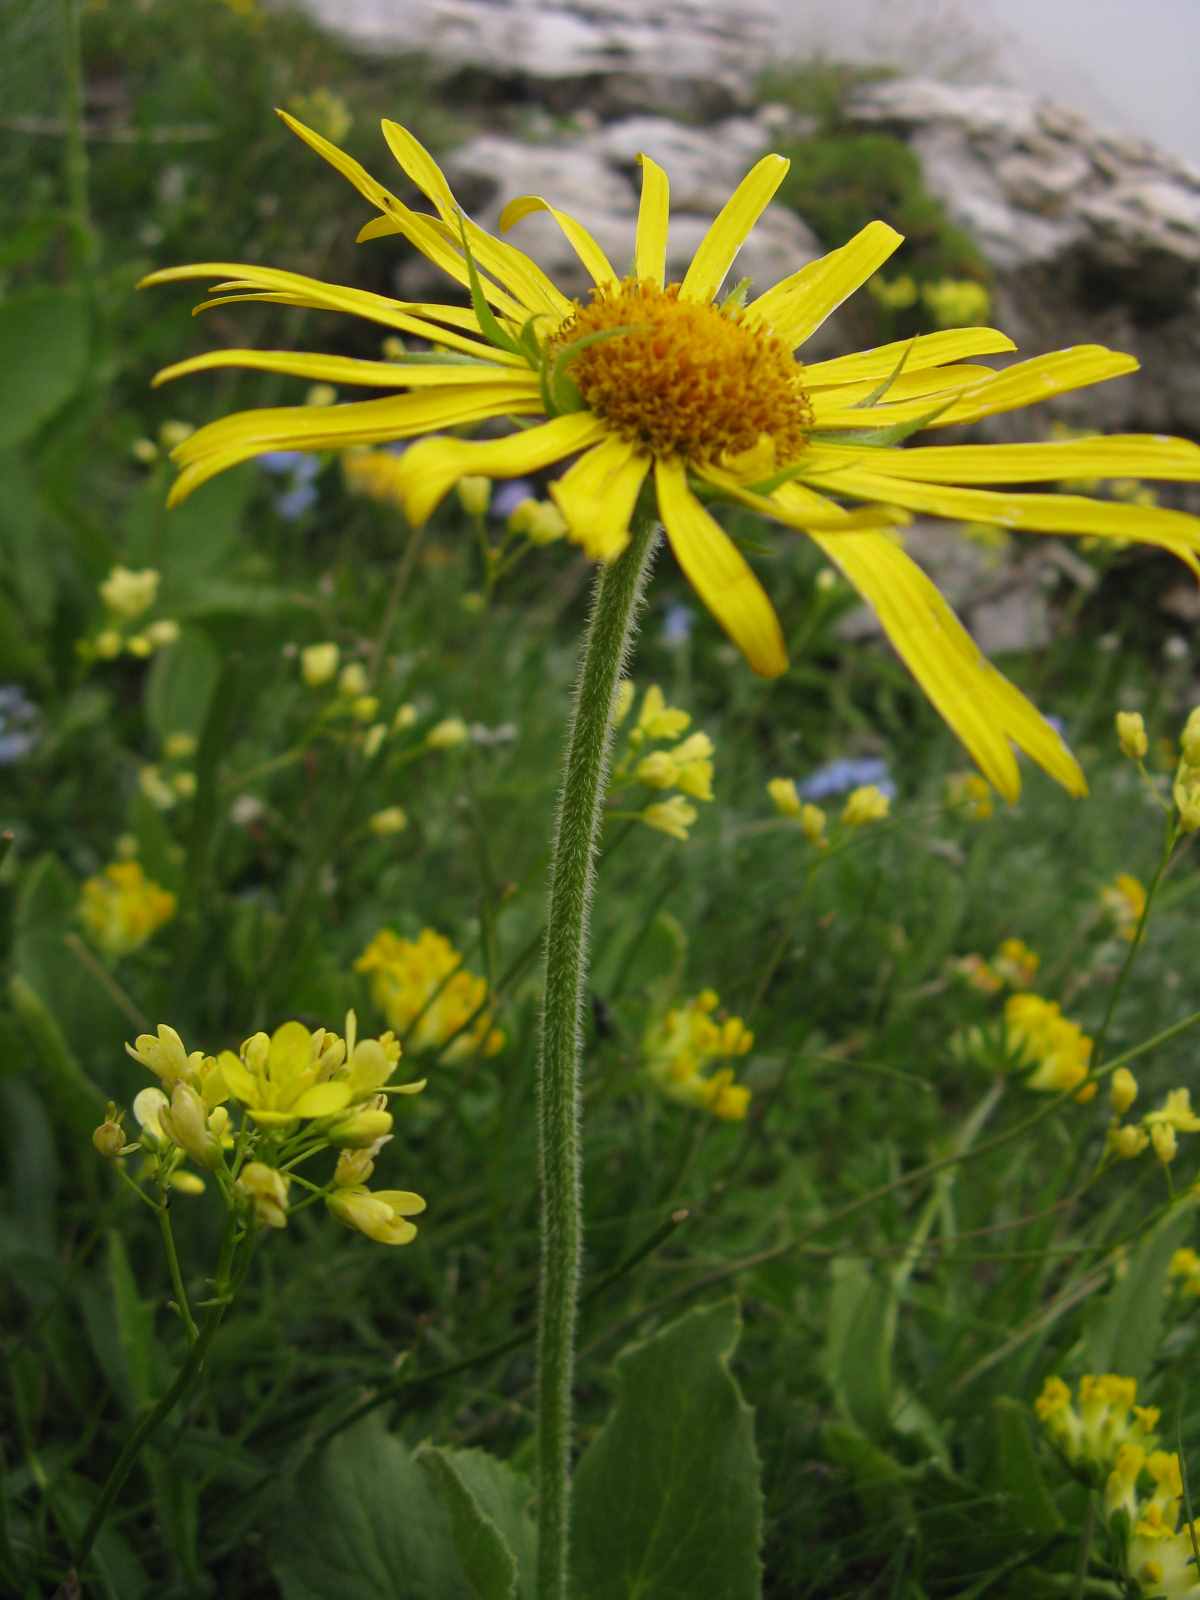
[683, 377]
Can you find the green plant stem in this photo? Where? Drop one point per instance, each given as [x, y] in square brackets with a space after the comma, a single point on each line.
[226, 1283]
[181, 1299]
[75, 155]
[585, 768]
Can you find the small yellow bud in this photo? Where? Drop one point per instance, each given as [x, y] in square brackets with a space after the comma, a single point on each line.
[674, 816]
[185, 1122]
[354, 1168]
[446, 734]
[657, 770]
[179, 746]
[155, 787]
[363, 707]
[163, 633]
[127, 593]
[405, 716]
[353, 680]
[145, 451]
[864, 805]
[109, 1137]
[1186, 794]
[107, 644]
[475, 495]
[184, 784]
[657, 720]
[321, 394]
[392, 819]
[784, 797]
[187, 1182]
[318, 663]
[138, 644]
[267, 1189]
[1123, 1090]
[1165, 1141]
[544, 522]
[172, 434]
[812, 824]
[1131, 734]
[1189, 741]
[393, 348]
[363, 1130]
[1127, 1142]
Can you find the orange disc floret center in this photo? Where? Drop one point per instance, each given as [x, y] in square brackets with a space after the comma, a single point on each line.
[683, 377]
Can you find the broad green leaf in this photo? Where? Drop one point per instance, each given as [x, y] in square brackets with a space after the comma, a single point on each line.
[858, 1345]
[494, 1534]
[26, 554]
[180, 684]
[667, 1503]
[43, 358]
[1018, 1469]
[135, 1324]
[1124, 1331]
[365, 1523]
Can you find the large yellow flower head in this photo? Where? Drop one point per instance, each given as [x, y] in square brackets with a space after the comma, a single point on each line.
[661, 389]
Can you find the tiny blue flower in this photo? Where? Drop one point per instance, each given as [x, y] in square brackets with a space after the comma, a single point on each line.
[838, 777]
[677, 624]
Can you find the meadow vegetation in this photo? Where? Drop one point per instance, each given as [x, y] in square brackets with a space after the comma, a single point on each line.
[863, 1167]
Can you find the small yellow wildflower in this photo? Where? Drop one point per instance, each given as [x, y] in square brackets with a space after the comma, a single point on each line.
[539, 521]
[475, 495]
[1131, 734]
[1125, 901]
[1126, 1143]
[1189, 739]
[1016, 964]
[683, 1045]
[693, 766]
[321, 394]
[865, 805]
[180, 746]
[392, 819]
[375, 475]
[956, 303]
[448, 733]
[979, 974]
[319, 663]
[784, 797]
[294, 1074]
[162, 633]
[673, 817]
[1185, 1265]
[970, 794]
[267, 1189]
[127, 593]
[428, 996]
[658, 720]
[1092, 1434]
[1123, 1090]
[1057, 1050]
[156, 788]
[187, 1122]
[893, 294]
[121, 907]
[353, 682]
[382, 1215]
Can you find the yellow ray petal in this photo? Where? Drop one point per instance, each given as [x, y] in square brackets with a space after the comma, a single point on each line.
[654, 213]
[1175, 531]
[595, 263]
[795, 308]
[730, 227]
[433, 466]
[819, 512]
[927, 350]
[718, 572]
[984, 709]
[245, 434]
[347, 370]
[370, 188]
[936, 381]
[321, 296]
[1116, 455]
[524, 277]
[598, 493]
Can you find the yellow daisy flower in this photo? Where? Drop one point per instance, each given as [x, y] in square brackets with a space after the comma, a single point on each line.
[662, 387]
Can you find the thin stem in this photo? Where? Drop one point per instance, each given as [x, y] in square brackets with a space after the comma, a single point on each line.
[226, 1283]
[617, 597]
[75, 155]
[181, 1299]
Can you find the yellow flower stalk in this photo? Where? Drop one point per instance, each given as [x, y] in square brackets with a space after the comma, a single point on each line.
[1106, 1419]
[668, 387]
[121, 907]
[431, 1000]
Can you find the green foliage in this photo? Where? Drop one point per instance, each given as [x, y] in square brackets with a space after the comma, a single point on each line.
[667, 1499]
[840, 181]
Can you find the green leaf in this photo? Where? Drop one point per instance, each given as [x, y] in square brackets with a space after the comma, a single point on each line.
[26, 554]
[180, 684]
[488, 1504]
[194, 540]
[135, 1324]
[367, 1523]
[43, 358]
[668, 1505]
[858, 1345]
[1018, 1469]
[1124, 1331]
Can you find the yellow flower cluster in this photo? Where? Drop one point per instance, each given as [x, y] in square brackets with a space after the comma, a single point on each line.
[1187, 776]
[1124, 899]
[1108, 1441]
[127, 595]
[683, 1045]
[1185, 1266]
[1158, 1129]
[864, 805]
[301, 1092]
[429, 997]
[1056, 1050]
[121, 907]
[687, 766]
[951, 302]
[1014, 965]
[1090, 1434]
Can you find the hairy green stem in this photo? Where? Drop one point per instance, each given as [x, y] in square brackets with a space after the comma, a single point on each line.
[585, 769]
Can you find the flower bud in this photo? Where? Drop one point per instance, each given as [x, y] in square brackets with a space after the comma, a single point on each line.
[267, 1189]
[475, 495]
[446, 734]
[392, 819]
[109, 1137]
[318, 663]
[1131, 732]
[186, 1122]
[865, 804]
[1123, 1091]
[362, 1130]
